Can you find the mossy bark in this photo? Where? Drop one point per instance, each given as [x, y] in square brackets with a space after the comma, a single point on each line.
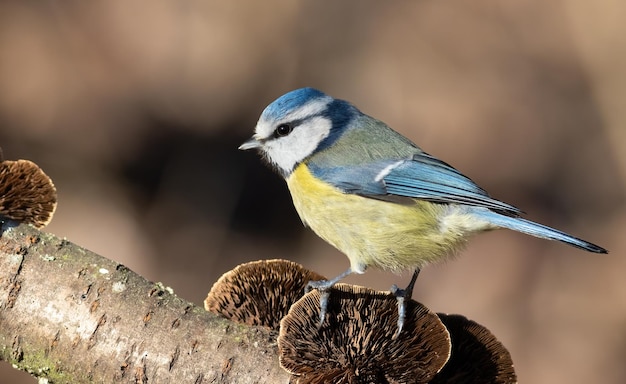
[72, 316]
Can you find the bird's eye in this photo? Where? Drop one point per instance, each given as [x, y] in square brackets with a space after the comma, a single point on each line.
[283, 130]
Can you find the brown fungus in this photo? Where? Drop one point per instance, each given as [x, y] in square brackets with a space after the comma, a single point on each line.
[356, 344]
[477, 356]
[259, 292]
[27, 194]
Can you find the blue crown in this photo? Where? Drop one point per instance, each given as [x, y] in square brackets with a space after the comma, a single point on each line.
[289, 102]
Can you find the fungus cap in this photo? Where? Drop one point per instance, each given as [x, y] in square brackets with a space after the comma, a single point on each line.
[259, 292]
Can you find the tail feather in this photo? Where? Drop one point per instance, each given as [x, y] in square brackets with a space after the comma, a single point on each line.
[538, 230]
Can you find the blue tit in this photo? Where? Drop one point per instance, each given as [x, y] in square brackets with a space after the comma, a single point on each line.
[373, 194]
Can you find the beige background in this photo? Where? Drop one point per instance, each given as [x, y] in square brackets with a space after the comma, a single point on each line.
[136, 109]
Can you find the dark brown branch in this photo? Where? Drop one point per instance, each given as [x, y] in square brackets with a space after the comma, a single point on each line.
[73, 316]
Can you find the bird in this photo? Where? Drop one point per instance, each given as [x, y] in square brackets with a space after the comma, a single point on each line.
[375, 195]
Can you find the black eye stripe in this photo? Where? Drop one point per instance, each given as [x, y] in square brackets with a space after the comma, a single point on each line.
[287, 128]
[283, 130]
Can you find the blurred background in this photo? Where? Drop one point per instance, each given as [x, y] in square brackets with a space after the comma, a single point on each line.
[135, 109]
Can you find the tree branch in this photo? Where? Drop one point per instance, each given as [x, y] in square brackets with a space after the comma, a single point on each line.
[73, 316]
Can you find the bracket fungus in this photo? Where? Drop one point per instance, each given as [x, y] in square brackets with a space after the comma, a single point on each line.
[27, 194]
[477, 356]
[356, 343]
[259, 292]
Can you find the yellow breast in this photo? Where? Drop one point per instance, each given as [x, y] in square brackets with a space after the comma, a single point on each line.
[374, 232]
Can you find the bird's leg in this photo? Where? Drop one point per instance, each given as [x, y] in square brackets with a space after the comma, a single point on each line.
[324, 286]
[402, 295]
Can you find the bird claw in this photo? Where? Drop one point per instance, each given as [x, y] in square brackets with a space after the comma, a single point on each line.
[401, 296]
[323, 286]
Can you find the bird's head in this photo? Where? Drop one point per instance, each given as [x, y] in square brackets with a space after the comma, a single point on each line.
[298, 124]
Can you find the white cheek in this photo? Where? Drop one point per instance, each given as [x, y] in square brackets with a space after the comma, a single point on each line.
[290, 150]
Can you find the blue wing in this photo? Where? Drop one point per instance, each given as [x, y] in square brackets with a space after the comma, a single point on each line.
[421, 177]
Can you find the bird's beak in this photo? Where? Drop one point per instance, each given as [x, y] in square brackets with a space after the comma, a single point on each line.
[250, 144]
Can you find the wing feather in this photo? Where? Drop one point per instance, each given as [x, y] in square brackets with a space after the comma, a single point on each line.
[420, 177]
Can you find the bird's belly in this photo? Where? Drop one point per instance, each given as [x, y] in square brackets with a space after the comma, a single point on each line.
[373, 232]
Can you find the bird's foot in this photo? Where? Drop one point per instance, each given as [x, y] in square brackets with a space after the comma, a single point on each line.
[323, 287]
[402, 296]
